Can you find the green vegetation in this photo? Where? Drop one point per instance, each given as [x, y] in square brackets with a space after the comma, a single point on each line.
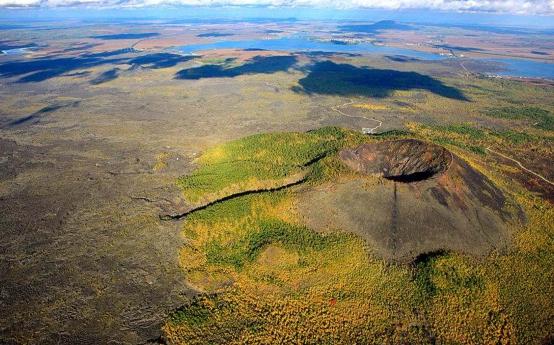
[463, 129]
[194, 314]
[472, 148]
[264, 274]
[260, 162]
[266, 278]
[516, 137]
[541, 118]
[463, 136]
[246, 249]
[432, 269]
[470, 138]
[395, 133]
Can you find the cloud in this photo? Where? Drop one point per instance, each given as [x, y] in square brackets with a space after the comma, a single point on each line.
[501, 6]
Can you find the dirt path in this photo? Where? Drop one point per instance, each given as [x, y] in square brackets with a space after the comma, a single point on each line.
[521, 166]
[365, 130]
[467, 72]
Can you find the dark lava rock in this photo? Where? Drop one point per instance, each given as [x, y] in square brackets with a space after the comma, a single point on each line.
[427, 200]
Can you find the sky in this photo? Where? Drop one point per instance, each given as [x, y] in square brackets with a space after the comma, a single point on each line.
[520, 7]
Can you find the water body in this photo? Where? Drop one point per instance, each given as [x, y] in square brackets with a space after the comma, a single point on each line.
[15, 51]
[524, 68]
[510, 67]
[300, 44]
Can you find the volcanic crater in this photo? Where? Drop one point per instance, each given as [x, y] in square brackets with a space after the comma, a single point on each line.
[406, 160]
[410, 198]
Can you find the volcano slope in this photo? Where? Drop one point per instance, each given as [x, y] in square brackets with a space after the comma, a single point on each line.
[298, 238]
[428, 200]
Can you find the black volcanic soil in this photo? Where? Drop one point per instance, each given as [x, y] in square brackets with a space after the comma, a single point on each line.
[83, 259]
[413, 198]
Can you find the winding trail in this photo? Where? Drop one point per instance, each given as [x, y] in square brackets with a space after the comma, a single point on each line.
[365, 130]
[521, 166]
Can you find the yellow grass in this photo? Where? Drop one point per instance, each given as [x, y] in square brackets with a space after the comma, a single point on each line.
[370, 106]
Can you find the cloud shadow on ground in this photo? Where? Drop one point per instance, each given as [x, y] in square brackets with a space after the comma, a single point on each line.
[160, 60]
[36, 116]
[44, 68]
[257, 65]
[330, 78]
[106, 76]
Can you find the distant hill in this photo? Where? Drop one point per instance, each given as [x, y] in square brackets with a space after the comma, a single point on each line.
[375, 27]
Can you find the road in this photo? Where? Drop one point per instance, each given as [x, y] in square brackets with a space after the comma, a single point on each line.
[521, 166]
[350, 102]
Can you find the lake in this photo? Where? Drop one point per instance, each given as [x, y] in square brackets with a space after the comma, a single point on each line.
[15, 51]
[510, 67]
[525, 68]
[299, 44]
